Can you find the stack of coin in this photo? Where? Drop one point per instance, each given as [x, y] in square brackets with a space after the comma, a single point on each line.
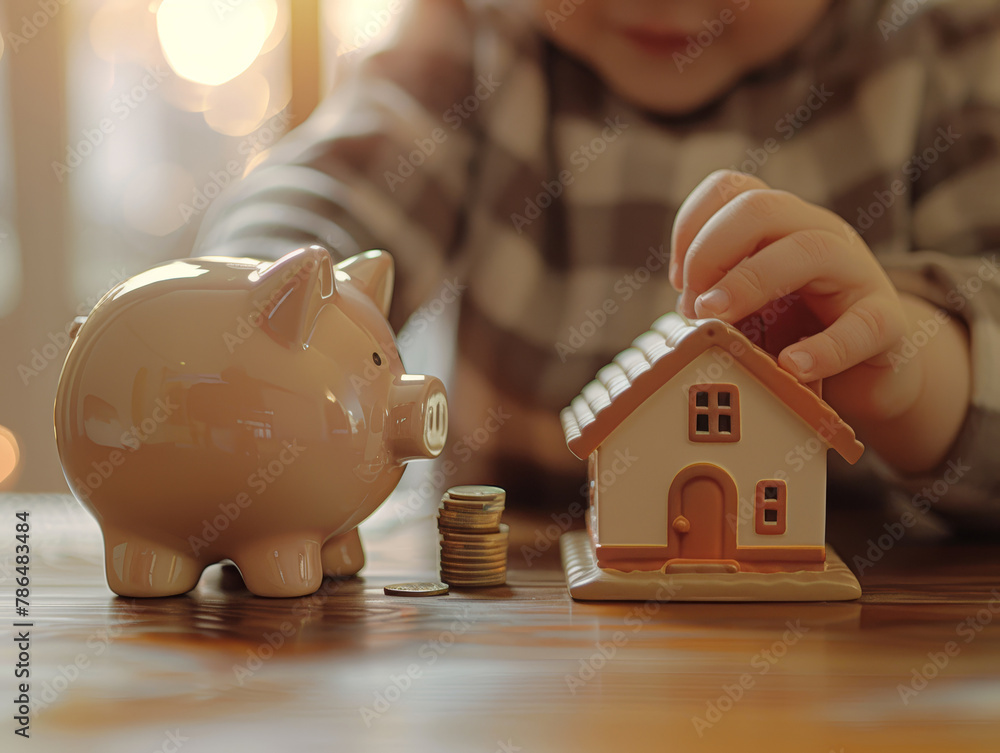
[473, 540]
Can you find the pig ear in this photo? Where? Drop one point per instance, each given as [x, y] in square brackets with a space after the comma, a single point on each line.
[372, 272]
[290, 292]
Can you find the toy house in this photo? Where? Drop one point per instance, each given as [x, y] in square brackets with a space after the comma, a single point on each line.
[705, 459]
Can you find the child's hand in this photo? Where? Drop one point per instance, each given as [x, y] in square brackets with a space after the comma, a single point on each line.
[738, 244]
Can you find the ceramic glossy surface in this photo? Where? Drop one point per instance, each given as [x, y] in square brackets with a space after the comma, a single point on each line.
[216, 407]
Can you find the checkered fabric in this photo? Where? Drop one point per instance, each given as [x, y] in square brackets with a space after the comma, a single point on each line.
[480, 154]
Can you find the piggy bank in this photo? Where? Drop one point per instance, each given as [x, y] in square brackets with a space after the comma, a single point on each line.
[223, 408]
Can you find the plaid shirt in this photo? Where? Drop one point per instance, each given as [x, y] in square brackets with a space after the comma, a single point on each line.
[480, 154]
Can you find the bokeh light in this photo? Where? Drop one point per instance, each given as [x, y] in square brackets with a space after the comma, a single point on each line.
[10, 457]
[236, 108]
[357, 24]
[214, 42]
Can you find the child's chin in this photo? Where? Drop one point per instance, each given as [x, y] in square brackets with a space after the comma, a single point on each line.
[672, 95]
[671, 103]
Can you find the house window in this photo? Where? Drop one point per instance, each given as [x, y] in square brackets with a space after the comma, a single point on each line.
[714, 413]
[770, 507]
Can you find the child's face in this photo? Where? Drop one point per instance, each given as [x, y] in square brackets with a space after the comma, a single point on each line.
[673, 56]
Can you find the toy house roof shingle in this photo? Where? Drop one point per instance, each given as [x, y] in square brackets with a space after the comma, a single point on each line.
[659, 354]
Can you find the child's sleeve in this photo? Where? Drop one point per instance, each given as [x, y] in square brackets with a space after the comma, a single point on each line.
[956, 218]
[381, 163]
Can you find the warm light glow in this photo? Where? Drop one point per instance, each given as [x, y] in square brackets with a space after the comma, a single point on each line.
[214, 42]
[152, 197]
[10, 455]
[358, 23]
[238, 107]
[122, 31]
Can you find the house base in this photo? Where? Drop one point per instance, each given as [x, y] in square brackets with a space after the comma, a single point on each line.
[589, 582]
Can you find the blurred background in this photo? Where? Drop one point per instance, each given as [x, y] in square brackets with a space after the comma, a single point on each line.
[120, 121]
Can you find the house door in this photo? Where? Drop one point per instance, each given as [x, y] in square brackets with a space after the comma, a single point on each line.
[696, 513]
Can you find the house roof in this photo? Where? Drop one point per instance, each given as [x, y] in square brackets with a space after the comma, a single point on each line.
[656, 356]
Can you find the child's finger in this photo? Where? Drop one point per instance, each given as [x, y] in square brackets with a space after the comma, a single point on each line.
[751, 222]
[868, 328]
[805, 257]
[713, 193]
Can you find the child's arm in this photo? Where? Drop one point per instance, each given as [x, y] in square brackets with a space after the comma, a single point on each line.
[739, 245]
[382, 163]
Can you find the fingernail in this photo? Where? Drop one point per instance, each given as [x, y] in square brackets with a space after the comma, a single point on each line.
[714, 301]
[803, 361]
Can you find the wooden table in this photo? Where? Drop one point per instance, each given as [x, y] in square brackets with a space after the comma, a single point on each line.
[517, 668]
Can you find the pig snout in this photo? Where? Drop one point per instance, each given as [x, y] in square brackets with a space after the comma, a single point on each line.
[418, 418]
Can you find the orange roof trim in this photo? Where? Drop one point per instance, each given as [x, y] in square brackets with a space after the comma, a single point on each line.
[656, 356]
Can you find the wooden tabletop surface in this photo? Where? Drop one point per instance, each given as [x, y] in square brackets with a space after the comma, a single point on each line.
[914, 665]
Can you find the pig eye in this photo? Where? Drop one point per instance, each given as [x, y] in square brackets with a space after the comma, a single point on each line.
[377, 359]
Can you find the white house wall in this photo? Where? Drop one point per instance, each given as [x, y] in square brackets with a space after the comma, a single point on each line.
[638, 461]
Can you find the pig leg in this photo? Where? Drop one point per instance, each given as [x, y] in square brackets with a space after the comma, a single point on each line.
[343, 555]
[136, 566]
[283, 565]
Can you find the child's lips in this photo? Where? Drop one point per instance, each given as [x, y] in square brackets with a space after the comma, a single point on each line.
[657, 43]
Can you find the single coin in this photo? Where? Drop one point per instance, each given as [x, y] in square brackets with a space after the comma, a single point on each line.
[478, 567]
[472, 505]
[473, 515]
[486, 539]
[476, 492]
[473, 569]
[470, 572]
[472, 547]
[474, 557]
[464, 527]
[477, 583]
[487, 518]
[416, 589]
